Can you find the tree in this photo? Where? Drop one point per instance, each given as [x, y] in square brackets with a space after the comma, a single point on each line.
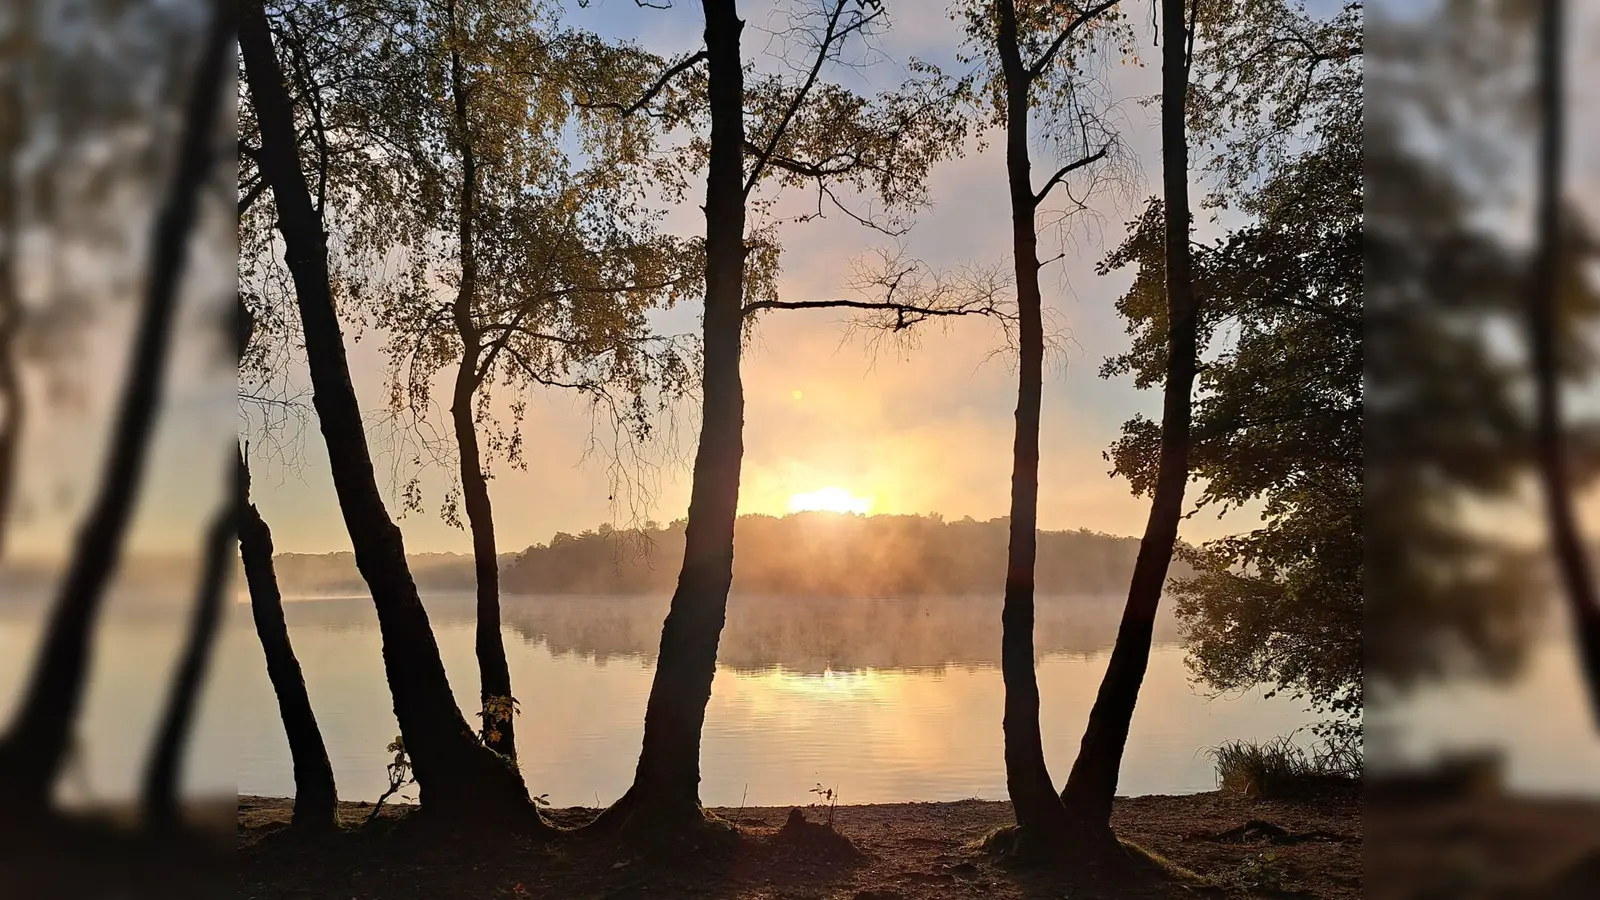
[1279, 407]
[463, 231]
[12, 138]
[1544, 322]
[457, 776]
[803, 132]
[1033, 51]
[554, 270]
[34, 747]
[1092, 784]
[315, 796]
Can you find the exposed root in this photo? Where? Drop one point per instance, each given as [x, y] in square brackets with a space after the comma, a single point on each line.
[1154, 866]
[1262, 831]
[1086, 855]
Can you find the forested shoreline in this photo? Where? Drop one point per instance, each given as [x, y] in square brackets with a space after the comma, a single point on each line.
[803, 554]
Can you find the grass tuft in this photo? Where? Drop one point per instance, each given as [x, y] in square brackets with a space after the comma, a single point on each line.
[1281, 768]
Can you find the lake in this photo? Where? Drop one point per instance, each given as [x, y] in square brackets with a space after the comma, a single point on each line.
[882, 700]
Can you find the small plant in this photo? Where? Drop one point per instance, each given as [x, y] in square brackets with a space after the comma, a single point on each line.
[830, 796]
[1282, 768]
[496, 712]
[542, 801]
[1261, 872]
[400, 774]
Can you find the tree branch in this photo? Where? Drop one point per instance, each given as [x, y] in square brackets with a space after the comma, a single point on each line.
[251, 194]
[1067, 169]
[828, 37]
[1037, 69]
[650, 93]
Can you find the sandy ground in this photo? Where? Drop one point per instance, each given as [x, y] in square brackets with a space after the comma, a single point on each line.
[1483, 848]
[1309, 848]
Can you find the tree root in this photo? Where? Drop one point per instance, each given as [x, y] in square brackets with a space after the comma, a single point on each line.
[653, 824]
[1087, 855]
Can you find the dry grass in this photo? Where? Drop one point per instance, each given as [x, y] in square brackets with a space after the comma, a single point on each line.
[1280, 768]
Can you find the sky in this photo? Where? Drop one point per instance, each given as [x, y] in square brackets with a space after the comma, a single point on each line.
[907, 430]
[902, 429]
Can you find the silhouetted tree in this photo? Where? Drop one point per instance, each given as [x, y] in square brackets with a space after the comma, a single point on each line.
[456, 775]
[1544, 322]
[1278, 407]
[34, 746]
[1092, 783]
[315, 797]
[805, 133]
[1033, 49]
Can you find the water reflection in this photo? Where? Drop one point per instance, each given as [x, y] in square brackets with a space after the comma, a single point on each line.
[884, 700]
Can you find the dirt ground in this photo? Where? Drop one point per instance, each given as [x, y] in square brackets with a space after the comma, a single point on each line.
[1238, 848]
[1484, 848]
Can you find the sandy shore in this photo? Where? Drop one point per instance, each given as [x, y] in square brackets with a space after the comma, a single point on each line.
[901, 851]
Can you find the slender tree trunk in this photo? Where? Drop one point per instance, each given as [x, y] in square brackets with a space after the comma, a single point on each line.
[455, 774]
[1544, 330]
[667, 782]
[315, 798]
[1093, 782]
[34, 747]
[1033, 794]
[11, 399]
[160, 792]
[494, 674]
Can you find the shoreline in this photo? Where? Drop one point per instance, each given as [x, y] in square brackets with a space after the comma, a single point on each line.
[903, 851]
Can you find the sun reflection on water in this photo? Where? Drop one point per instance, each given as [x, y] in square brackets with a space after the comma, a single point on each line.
[859, 684]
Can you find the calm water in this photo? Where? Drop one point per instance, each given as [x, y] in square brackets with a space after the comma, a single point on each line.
[883, 700]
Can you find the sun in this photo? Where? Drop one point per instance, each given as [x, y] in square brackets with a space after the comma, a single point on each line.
[830, 499]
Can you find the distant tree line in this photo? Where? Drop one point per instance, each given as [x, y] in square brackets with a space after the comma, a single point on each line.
[828, 555]
[803, 555]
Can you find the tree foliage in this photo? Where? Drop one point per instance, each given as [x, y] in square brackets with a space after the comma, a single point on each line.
[1277, 416]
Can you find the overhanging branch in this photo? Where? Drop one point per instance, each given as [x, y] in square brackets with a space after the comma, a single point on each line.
[1068, 169]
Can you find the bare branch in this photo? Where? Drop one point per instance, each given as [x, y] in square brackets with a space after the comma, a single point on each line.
[1068, 169]
[1037, 69]
[650, 93]
[824, 47]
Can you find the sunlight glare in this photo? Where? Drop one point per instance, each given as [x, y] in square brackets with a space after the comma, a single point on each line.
[830, 499]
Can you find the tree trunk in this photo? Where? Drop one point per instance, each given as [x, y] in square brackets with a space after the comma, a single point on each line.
[494, 674]
[1033, 794]
[1566, 542]
[1093, 782]
[667, 783]
[11, 398]
[160, 792]
[33, 749]
[315, 798]
[455, 774]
